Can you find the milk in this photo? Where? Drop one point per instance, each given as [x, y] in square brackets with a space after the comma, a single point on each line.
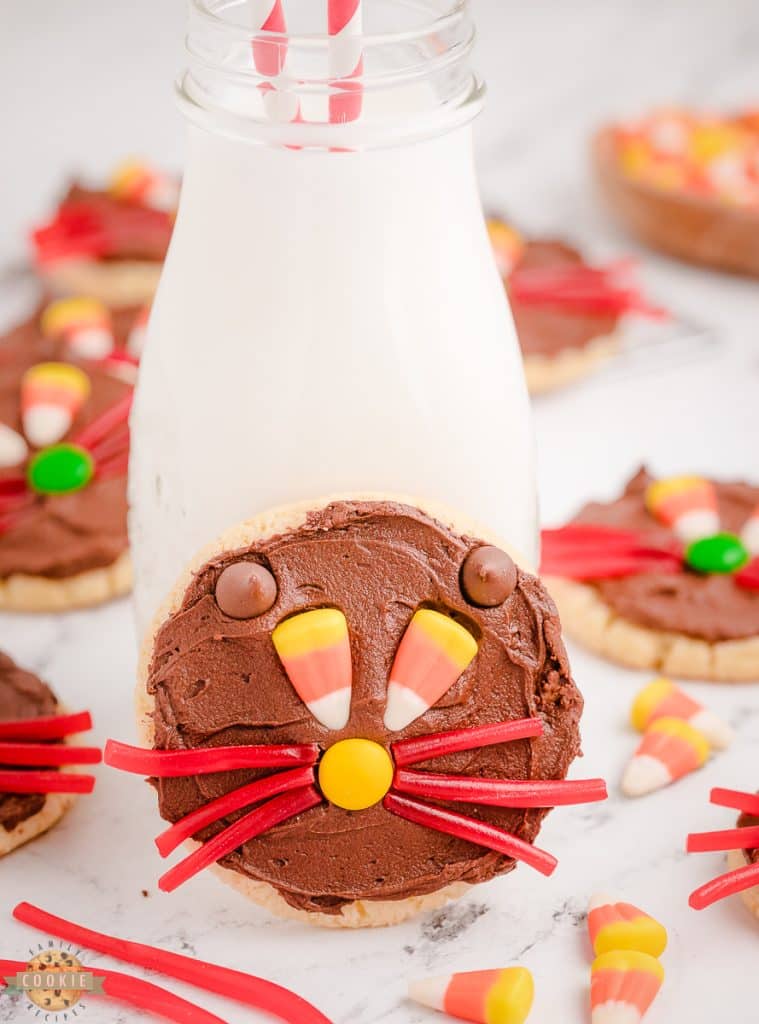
[327, 322]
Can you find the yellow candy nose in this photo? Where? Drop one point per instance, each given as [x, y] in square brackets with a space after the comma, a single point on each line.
[355, 774]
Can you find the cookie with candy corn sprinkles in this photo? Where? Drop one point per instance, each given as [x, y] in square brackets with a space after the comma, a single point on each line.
[66, 378]
[357, 709]
[664, 577]
[568, 313]
[39, 765]
[686, 183]
[109, 242]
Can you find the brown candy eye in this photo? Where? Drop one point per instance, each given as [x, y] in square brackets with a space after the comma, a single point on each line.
[488, 576]
[245, 589]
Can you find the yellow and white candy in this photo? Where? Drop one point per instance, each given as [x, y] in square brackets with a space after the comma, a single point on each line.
[137, 182]
[687, 504]
[83, 323]
[661, 698]
[51, 396]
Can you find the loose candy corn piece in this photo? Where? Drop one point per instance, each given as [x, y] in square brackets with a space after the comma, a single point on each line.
[13, 448]
[750, 532]
[432, 654]
[486, 997]
[135, 182]
[623, 985]
[669, 749]
[663, 699]
[622, 926]
[84, 323]
[507, 245]
[314, 649]
[688, 504]
[51, 396]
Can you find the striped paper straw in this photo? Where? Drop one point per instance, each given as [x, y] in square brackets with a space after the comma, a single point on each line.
[346, 60]
[269, 57]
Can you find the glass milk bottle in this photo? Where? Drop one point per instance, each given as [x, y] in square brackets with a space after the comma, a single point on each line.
[330, 318]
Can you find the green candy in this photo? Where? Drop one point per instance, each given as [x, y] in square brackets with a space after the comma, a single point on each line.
[60, 469]
[720, 553]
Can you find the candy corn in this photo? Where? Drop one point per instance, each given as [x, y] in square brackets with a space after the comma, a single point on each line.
[670, 749]
[51, 396]
[663, 699]
[507, 245]
[84, 324]
[486, 997]
[135, 182]
[315, 651]
[688, 504]
[136, 339]
[432, 654]
[622, 926]
[13, 449]
[750, 532]
[623, 985]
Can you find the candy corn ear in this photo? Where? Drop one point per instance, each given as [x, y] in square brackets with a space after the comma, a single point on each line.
[623, 985]
[688, 504]
[13, 449]
[433, 653]
[51, 396]
[314, 649]
[84, 324]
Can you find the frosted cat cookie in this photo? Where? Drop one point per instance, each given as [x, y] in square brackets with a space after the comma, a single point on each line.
[66, 378]
[686, 183]
[568, 314]
[383, 659]
[109, 243]
[666, 577]
[742, 847]
[36, 788]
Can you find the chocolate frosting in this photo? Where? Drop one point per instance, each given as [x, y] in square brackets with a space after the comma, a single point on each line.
[710, 608]
[22, 695]
[150, 230]
[217, 681]
[62, 536]
[752, 856]
[546, 330]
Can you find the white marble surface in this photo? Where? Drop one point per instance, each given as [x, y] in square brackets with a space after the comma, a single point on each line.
[94, 82]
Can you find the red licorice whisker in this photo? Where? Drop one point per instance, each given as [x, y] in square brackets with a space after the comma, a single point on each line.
[472, 830]
[102, 425]
[169, 764]
[582, 288]
[500, 792]
[586, 552]
[736, 800]
[46, 727]
[41, 754]
[13, 487]
[114, 443]
[725, 885]
[143, 995]
[438, 744]
[261, 820]
[116, 466]
[192, 823]
[243, 988]
[727, 839]
[45, 782]
[748, 577]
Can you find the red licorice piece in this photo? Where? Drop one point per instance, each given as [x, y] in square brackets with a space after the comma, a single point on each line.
[143, 995]
[748, 577]
[472, 830]
[735, 799]
[725, 885]
[115, 466]
[438, 744]
[263, 818]
[114, 443]
[726, 839]
[46, 727]
[43, 754]
[243, 988]
[580, 288]
[586, 552]
[498, 792]
[206, 815]
[12, 487]
[45, 782]
[169, 764]
[102, 425]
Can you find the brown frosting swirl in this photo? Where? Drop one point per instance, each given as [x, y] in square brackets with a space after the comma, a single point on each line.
[62, 536]
[217, 681]
[22, 695]
[710, 608]
[546, 330]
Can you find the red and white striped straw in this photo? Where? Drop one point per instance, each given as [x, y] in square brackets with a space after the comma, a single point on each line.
[346, 61]
[269, 57]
